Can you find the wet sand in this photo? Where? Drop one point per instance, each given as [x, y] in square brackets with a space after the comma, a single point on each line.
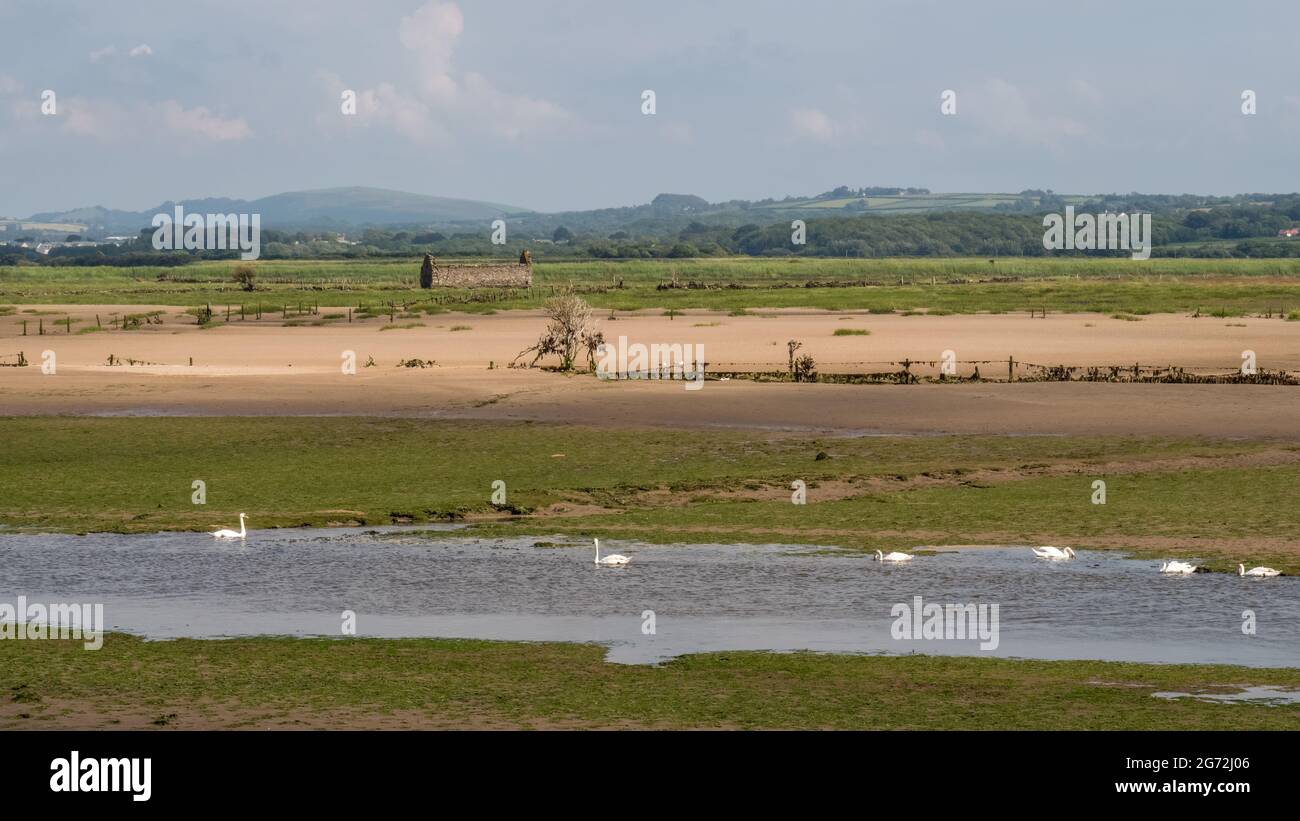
[264, 368]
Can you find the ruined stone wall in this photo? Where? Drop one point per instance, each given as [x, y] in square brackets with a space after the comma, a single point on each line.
[507, 275]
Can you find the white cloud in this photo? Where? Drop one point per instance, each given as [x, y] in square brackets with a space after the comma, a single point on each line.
[812, 123]
[199, 122]
[407, 116]
[508, 115]
[431, 33]
[92, 118]
[1002, 110]
[107, 53]
[8, 85]
[107, 121]
[442, 99]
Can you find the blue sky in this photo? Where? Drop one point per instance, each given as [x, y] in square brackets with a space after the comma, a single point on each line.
[537, 103]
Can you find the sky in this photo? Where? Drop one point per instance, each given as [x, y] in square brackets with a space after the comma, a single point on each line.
[539, 103]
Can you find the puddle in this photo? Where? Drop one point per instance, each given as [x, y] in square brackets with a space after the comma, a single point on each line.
[1270, 695]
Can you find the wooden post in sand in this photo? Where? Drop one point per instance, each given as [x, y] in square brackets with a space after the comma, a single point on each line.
[1011, 369]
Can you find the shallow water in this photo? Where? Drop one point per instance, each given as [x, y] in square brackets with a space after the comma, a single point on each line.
[704, 597]
[1267, 695]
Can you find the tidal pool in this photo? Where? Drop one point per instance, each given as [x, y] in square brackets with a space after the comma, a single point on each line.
[703, 597]
[1267, 695]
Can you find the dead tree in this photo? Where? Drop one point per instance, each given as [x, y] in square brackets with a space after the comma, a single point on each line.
[567, 332]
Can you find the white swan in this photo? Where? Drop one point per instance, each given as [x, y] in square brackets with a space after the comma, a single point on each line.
[232, 534]
[892, 557]
[1178, 568]
[1258, 572]
[1050, 552]
[612, 560]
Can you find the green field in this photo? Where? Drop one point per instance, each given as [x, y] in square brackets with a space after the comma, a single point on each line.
[1222, 501]
[663, 486]
[1233, 287]
[278, 682]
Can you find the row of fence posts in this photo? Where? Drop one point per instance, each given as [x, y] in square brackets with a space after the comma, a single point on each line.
[1011, 367]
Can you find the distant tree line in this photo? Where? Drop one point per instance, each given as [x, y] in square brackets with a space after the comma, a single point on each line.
[681, 226]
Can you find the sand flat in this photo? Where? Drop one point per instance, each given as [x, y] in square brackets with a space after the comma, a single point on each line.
[265, 368]
[758, 341]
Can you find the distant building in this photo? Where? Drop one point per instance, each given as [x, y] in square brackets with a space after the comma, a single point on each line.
[505, 275]
[1289, 232]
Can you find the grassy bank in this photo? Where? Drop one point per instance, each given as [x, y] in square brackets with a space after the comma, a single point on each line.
[438, 683]
[1230, 287]
[1225, 501]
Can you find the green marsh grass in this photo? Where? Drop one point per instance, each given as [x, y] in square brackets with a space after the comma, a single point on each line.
[280, 682]
[65, 474]
[1234, 286]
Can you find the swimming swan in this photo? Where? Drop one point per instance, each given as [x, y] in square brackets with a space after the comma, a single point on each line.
[612, 560]
[892, 557]
[1259, 572]
[1178, 568]
[232, 534]
[1050, 552]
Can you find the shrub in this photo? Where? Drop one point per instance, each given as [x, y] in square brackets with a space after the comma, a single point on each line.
[246, 277]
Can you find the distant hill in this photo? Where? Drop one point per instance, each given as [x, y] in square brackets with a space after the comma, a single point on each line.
[669, 215]
[324, 208]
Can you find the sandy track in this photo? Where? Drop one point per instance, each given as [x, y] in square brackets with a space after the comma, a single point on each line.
[267, 369]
